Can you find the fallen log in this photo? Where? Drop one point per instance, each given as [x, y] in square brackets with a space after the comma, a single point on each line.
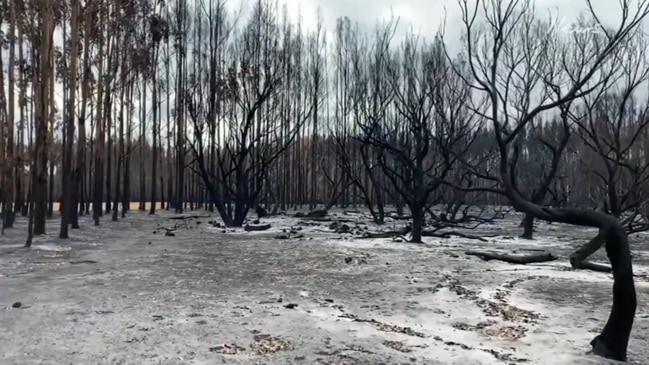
[588, 265]
[183, 217]
[317, 213]
[388, 234]
[255, 228]
[531, 249]
[513, 259]
[318, 219]
[448, 234]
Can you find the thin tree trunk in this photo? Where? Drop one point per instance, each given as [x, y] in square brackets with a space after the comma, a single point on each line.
[109, 159]
[154, 138]
[4, 166]
[120, 141]
[20, 160]
[126, 190]
[99, 130]
[68, 175]
[180, 137]
[11, 170]
[51, 146]
[80, 169]
[142, 146]
[168, 122]
[44, 61]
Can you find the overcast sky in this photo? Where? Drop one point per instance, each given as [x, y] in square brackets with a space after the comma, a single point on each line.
[427, 16]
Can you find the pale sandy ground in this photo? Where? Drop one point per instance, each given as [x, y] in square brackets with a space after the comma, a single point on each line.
[119, 294]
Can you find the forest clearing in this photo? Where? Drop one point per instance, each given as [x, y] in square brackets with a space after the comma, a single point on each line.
[189, 182]
[119, 293]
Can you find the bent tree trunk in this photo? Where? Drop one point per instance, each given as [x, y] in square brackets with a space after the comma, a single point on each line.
[613, 341]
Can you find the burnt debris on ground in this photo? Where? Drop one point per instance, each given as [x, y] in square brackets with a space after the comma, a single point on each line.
[324, 293]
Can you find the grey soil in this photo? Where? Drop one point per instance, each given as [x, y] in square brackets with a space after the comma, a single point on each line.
[120, 294]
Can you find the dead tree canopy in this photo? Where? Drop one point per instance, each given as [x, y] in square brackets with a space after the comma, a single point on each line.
[250, 90]
[612, 128]
[420, 134]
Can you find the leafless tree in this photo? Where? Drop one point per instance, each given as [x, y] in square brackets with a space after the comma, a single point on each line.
[522, 70]
[369, 95]
[427, 127]
[253, 140]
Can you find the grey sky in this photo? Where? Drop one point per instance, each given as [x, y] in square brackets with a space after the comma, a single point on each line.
[426, 16]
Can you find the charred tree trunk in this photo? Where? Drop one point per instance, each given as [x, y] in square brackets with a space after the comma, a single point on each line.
[80, 170]
[154, 138]
[11, 170]
[126, 188]
[50, 148]
[528, 226]
[180, 125]
[417, 223]
[612, 342]
[68, 186]
[97, 192]
[20, 160]
[109, 160]
[142, 147]
[44, 60]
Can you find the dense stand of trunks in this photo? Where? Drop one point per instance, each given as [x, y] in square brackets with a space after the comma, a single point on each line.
[264, 115]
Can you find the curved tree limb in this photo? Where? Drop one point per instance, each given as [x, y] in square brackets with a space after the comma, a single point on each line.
[613, 341]
[511, 60]
[578, 258]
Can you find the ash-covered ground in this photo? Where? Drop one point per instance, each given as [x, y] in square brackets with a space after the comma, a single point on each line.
[129, 293]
